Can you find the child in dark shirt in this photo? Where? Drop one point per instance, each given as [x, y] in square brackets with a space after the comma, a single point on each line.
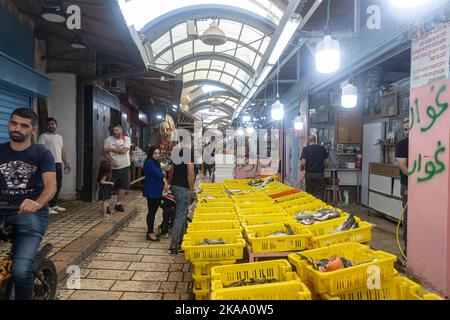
[168, 204]
[106, 189]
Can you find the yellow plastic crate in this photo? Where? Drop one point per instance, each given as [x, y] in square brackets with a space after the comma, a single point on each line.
[204, 268]
[199, 226]
[232, 250]
[398, 288]
[298, 202]
[338, 281]
[314, 206]
[254, 205]
[217, 201]
[261, 211]
[201, 282]
[252, 199]
[209, 185]
[323, 238]
[214, 217]
[214, 210]
[252, 220]
[257, 236]
[219, 204]
[237, 181]
[201, 294]
[222, 276]
[288, 290]
[290, 197]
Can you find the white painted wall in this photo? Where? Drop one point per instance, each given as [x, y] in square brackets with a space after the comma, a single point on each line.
[62, 106]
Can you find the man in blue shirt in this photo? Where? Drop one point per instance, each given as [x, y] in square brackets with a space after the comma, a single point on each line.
[28, 181]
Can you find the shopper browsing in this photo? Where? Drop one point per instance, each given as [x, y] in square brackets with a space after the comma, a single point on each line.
[117, 151]
[314, 159]
[54, 142]
[154, 185]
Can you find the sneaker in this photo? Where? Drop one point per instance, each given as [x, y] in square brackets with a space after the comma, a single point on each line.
[59, 209]
[52, 211]
[164, 235]
[119, 208]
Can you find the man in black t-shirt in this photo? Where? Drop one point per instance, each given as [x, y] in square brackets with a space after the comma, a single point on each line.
[401, 154]
[182, 187]
[28, 181]
[313, 161]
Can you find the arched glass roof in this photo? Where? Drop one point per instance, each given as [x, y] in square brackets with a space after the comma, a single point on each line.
[229, 67]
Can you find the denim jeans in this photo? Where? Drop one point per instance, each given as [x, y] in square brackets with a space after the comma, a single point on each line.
[183, 197]
[29, 231]
[168, 216]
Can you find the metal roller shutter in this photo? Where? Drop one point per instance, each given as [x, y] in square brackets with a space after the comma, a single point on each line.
[9, 101]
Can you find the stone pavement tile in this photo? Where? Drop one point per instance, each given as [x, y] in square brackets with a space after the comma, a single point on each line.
[180, 259]
[186, 267]
[176, 267]
[95, 295]
[166, 259]
[120, 250]
[137, 286]
[116, 265]
[160, 246]
[148, 266]
[171, 296]
[157, 252]
[131, 234]
[131, 244]
[119, 257]
[95, 284]
[64, 294]
[111, 274]
[168, 287]
[185, 296]
[141, 296]
[182, 287]
[187, 277]
[128, 238]
[175, 276]
[150, 276]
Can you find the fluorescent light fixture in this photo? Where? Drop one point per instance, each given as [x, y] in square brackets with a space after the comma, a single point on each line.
[277, 110]
[263, 75]
[286, 35]
[246, 118]
[328, 55]
[159, 117]
[298, 123]
[251, 92]
[53, 11]
[175, 107]
[407, 3]
[349, 97]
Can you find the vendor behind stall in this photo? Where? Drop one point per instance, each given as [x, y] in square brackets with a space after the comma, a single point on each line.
[313, 160]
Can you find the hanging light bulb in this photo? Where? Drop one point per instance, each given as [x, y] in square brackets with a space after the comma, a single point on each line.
[407, 3]
[349, 97]
[328, 55]
[298, 123]
[277, 110]
[240, 131]
[250, 129]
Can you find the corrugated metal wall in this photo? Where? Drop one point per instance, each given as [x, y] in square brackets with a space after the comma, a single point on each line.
[9, 101]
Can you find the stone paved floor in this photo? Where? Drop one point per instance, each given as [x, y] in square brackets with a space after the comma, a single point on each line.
[127, 266]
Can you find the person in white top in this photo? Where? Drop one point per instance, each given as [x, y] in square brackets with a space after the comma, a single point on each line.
[54, 142]
[116, 149]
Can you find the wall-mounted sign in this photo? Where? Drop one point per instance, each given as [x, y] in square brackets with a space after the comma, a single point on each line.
[430, 57]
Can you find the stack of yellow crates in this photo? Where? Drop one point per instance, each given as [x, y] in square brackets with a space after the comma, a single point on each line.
[214, 236]
[371, 277]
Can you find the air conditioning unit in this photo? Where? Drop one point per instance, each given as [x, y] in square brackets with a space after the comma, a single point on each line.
[117, 86]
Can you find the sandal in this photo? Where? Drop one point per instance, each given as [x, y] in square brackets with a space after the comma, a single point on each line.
[152, 239]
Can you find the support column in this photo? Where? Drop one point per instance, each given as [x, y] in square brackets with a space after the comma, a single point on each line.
[429, 185]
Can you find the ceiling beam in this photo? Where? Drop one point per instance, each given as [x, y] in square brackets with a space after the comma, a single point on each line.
[213, 94]
[212, 82]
